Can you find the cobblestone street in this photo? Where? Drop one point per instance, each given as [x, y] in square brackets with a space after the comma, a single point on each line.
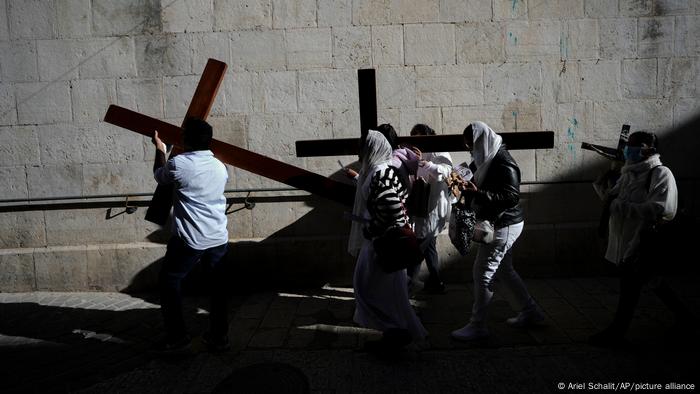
[99, 343]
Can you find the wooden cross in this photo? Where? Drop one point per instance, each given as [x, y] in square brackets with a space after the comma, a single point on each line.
[230, 154]
[611, 153]
[436, 143]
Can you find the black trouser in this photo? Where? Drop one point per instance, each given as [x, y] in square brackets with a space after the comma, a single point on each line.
[430, 254]
[632, 281]
[179, 261]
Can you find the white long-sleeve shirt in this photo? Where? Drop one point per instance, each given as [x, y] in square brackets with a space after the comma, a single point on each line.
[199, 209]
[437, 168]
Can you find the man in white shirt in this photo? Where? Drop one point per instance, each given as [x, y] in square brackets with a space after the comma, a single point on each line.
[199, 234]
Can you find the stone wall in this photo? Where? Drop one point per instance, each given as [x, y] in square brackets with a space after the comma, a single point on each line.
[581, 68]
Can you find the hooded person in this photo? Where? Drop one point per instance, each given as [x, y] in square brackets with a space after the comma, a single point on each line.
[645, 195]
[494, 195]
[381, 298]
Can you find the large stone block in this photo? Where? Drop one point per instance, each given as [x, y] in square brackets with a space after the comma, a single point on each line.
[672, 7]
[22, 229]
[352, 47]
[509, 9]
[387, 45]
[55, 180]
[264, 50]
[685, 110]
[618, 38]
[8, 104]
[635, 7]
[269, 218]
[61, 268]
[91, 226]
[17, 274]
[639, 78]
[522, 115]
[126, 17]
[178, 93]
[346, 123]
[370, 12]
[561, 82]
[465, 11]
[480, 42]
[91, 98]
[557, 9]
[61, 144]
[18, 146]
[325, 90]
[182, 16]
[31, 19]
[240, 223]
[158, 56]
[455, 119]
[601, 8]
[408, 11]
[573, 123]
[278, 91]
[409, 117]
[117, 178]
[73, 18]
[533, 40]
[510, 81]
[678, 77]
[108, 58]
[244, 14]
[449, 85]
[293, 13]
[580, 39]
[106, 143]
[19, 61]
[59, 59]
[563, 162]
[15, 183]
[687, 32]
[239, 91]
[656, 37]
[651, 115]
[527, 163]
[42, 103]
[112, 267]
[141, 95]
[4, 30]
[210, 45]
[396, 87]
[600, 80]
[429, 44]
[334, 13]
[309, 48]
[276, 134]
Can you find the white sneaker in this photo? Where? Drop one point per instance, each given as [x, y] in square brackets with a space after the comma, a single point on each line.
[470, 332]
[527, 318]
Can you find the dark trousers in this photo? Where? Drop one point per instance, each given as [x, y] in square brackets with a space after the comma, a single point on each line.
[429, 248]
[631, 284]
[179, 261]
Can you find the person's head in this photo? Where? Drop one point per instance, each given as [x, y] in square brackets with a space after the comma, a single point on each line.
[389, 133]
[375, 150]
[197, 135]
[641, 145]
[482, 141]
[422, 129]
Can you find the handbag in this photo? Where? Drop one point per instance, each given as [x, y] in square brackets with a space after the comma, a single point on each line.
[483, 232]
[418, 199]
[397, 249]
[461, 227]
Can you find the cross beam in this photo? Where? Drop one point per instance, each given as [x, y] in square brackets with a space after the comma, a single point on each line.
[433, 143]
[238, 157]
[202, 101]
[611, 153]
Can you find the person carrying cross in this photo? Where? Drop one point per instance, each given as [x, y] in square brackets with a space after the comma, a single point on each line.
[199, 234]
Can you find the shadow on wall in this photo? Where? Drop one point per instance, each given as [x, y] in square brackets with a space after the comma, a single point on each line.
[560, 239]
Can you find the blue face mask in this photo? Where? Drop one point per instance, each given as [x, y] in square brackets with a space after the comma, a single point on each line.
[633, 153]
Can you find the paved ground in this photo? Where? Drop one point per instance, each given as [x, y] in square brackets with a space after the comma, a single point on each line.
[98, 343]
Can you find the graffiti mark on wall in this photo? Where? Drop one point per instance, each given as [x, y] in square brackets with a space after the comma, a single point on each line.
[571, 136]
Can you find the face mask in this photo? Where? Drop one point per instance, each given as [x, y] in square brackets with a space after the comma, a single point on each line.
[633, 153]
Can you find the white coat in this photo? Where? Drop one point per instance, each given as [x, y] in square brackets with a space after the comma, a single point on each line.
[640, 203]
[436, 170]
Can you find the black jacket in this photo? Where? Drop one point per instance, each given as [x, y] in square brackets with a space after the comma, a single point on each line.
[500, 192]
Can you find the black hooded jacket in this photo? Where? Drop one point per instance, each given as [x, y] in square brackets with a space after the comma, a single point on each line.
[499, 193]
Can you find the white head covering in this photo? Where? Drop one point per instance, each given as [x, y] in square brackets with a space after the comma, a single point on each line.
[376, 152]
[486, 144]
